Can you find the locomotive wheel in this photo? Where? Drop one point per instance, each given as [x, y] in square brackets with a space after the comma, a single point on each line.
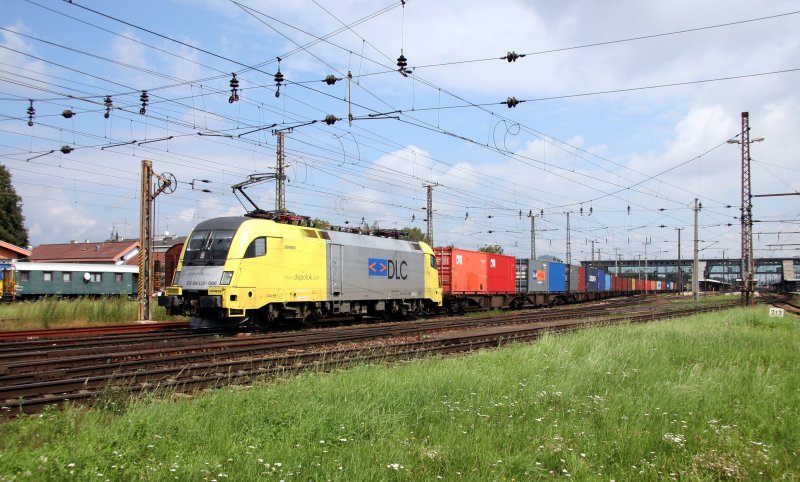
[264, 318]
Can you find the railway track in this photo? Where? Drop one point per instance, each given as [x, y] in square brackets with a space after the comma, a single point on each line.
[35, 377]
[780, 300]
[89, 330]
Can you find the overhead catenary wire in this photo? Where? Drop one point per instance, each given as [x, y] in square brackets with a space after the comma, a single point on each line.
[500, 204]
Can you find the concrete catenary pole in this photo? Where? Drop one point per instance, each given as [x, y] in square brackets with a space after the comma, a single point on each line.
[696, 264]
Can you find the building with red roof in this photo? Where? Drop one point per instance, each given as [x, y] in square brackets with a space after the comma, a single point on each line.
[105, 252]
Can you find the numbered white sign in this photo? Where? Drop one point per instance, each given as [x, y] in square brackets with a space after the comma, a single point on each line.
[776, 312]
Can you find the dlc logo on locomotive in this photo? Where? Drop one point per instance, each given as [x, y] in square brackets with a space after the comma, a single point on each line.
[387, 268]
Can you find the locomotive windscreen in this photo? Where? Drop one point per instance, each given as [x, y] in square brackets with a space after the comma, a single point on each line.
[208, 247]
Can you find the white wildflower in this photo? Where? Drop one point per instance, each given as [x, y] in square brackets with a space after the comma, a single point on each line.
[675, 438]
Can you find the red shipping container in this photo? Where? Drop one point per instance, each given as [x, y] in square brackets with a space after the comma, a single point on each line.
[502, 273]
[462, 271]
[582, 279]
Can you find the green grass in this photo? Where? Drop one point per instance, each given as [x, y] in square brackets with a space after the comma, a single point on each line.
[66, 313]
[703, 398]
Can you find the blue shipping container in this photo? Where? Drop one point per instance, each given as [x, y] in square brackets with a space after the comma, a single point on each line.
[607, 286]
[556, 277]
[592, 279]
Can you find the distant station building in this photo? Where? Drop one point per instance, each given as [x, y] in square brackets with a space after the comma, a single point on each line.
[103, 252]
[717, 274]
[10, 252]
[166, 251]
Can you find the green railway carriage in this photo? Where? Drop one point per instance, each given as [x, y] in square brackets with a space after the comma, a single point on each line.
[37, 280]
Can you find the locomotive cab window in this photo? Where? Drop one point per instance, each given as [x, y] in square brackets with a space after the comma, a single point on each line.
[258, 247]
[208, 247]
[433, 262]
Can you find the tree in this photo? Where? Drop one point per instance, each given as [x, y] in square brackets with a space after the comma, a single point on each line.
[12, 223]
[415, 234]
[493, 249]
[320, 223]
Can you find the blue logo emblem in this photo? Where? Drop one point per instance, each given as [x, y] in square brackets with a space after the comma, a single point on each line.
[378, 267]
[387, 268]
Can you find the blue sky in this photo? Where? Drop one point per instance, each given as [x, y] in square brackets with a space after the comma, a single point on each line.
[560, 150]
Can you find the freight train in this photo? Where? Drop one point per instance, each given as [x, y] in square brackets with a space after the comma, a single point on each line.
[478, 280]
[249, 270]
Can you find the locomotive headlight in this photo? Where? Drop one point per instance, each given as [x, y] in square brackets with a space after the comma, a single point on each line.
[226, 278]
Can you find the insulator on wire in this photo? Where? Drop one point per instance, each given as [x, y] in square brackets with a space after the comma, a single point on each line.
[278, 79]
[144, 99]
[513, 56]
[234, 89]
[66, 149]
[109, 104]
[512, 102]
[331, 119]
[402, 63]
[31, 113]
[67, 114]
[331, 79]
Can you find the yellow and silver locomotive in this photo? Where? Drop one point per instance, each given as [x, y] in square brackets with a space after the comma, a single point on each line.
[238, 270]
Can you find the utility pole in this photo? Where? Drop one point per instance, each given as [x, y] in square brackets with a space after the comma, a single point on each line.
[747, 215]
[167, 183]
[616, 261]
[569, 255]
[646, 242]
[430, 210]
[533, 234]
[696, 264]
[280, 193]
[592, 252]
[680, 268]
